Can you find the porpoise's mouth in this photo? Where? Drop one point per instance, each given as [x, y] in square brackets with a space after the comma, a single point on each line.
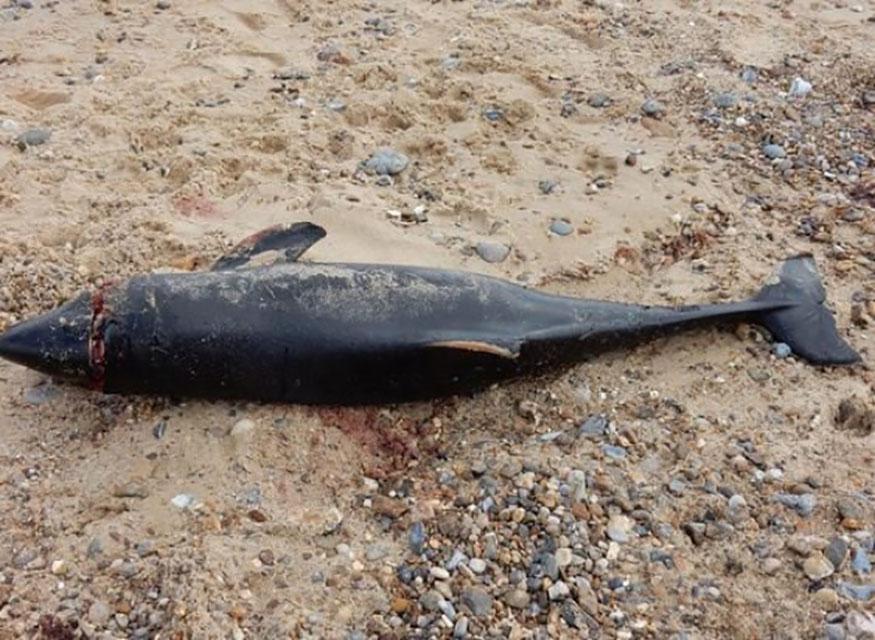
[55, 343]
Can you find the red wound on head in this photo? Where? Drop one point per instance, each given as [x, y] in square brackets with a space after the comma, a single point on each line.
[96, 344]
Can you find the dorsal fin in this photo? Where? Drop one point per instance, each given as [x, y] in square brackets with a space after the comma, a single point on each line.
[292, 239]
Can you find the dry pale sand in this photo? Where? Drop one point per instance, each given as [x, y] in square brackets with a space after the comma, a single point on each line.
[175, 131]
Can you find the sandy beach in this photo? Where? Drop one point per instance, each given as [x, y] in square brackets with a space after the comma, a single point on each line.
[667, 151]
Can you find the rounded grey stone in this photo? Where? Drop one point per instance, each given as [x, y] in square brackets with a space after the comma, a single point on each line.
[386, 162]
[33, 138]
[599, 101]
[478, 601]
[561, 228]
[492, 252]
[774, 151]
[836, 552]
[725, 100]
[653, 108]
[781, 350]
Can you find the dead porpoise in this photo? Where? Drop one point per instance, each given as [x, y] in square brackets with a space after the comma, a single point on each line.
[356, 334]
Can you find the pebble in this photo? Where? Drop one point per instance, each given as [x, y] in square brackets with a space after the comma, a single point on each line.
[336, 104]
[759, 375]
[416, 537]
[456, 559]
[159, 429]
[774, 151]
[817, 567]
[594, 426]
[803, 504]
[400, 605]
[561, 228]
[800, 88]
[33, 138]
[568, 109]
[127, 569]
[834, 632]
[291, 74]
[386, 162]
[577, 485]
[492, 252]
[27, 558]
[781, 350]
[478, 601]
[737, 502]
[665, 559]
[439, 573]
[380, 25]
[547, 186]
[677, 486]
[612, 451]
[558, 591]
[599, 101]
[859, 592]
[447, 607]
[525, 480]
[24, 4]
[183, 501]
[860, 160]
[749, 75]
[242, 429]
[696, 532]
[802, 545]
[432, 600]
[836, 552]
[849, 508]
[451, 62]
[251, 497]
[516, 599]
[774, 474]
[390, 507]
[163, 4]
[549, 566]
[860, 562]
[376, 552]
[618, 528]
[653, 108]
[827, 598]
[145, 548]
[461, 629]
[98, 613]
[493, 113]
[477, 565]
[41, 394]
[95, 548]
[563, 557]
[771, 566]
[861, 625]
[725, 100]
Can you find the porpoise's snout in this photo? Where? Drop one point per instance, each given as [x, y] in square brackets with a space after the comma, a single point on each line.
[55, 343]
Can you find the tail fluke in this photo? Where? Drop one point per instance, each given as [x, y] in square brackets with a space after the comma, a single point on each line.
[804, 324]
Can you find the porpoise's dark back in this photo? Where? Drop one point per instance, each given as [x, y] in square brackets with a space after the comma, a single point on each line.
[321, 333]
